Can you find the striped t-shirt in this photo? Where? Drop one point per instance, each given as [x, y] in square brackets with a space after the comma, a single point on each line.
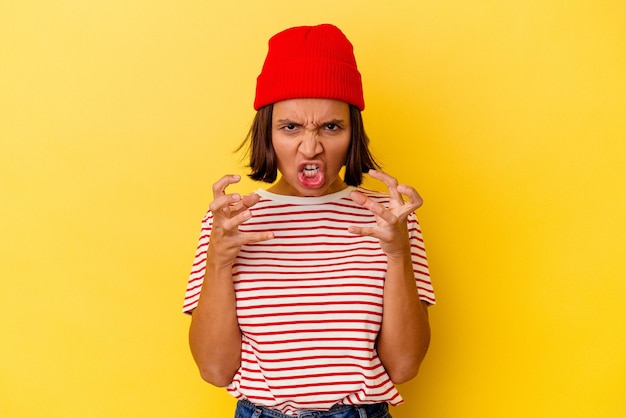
[310, 302]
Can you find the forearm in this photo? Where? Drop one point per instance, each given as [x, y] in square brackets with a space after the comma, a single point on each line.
[214, 335]
[405, 332]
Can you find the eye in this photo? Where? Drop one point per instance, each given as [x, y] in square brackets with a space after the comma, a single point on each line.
[332, 127]
[289, 127]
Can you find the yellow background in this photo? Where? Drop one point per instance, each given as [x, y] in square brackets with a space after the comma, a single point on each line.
[508, 116]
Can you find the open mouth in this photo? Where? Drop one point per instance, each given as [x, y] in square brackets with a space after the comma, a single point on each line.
[311, 176]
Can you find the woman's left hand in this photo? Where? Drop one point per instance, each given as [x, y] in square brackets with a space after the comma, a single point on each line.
[392, 221]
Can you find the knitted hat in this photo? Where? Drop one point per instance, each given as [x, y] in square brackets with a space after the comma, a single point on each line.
[309, 62]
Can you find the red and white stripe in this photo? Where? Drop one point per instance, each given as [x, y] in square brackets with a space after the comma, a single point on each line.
[310, 302]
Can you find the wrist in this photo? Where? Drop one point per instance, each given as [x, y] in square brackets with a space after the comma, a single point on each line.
[399, 258]
[218, 268]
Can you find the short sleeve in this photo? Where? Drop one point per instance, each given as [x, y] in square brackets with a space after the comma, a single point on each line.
[196, 277]
[420, 262]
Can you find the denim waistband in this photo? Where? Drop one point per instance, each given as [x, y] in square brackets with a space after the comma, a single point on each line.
[246, 409]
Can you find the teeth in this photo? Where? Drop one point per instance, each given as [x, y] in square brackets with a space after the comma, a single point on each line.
[310, 170]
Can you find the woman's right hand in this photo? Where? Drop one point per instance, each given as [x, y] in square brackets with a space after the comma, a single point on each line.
[229, 212]
[214, 334]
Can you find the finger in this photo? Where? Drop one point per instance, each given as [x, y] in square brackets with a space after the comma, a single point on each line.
[223, 203]
[391, 183]
[376, 208]
[251, 238]
[414, 198]
[219, 187]
[245, 202]
[360, 230]
[367, 231]
[239, 239]
[358, 197]
[382, 212]
[232, 223]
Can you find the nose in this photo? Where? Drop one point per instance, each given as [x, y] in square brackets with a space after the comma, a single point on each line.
[310, 146]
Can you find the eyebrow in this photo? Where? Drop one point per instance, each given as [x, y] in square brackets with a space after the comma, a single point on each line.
[289, 121]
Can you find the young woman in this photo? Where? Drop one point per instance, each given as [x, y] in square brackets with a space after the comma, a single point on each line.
[310, 297]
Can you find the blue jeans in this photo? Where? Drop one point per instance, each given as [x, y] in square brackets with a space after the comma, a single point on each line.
[246, 409]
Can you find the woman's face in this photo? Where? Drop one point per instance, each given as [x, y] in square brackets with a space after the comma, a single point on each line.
[311, 138]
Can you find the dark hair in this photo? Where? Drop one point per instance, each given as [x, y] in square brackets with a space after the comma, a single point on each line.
[263, 164]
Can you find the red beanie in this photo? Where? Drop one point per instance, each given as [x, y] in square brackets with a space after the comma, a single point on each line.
[309, 62]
